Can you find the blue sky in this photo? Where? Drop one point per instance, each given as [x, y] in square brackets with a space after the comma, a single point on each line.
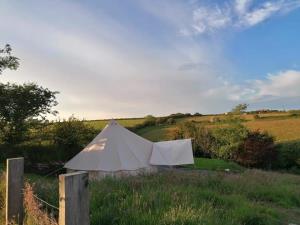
[127, 58]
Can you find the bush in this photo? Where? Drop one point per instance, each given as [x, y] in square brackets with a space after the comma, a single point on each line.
[288, 155]
[202, 140]
[179, 115]
[228, 140]
[161, 120]
[149, 121]
[257, 150]
[72, 135]
[197, 114]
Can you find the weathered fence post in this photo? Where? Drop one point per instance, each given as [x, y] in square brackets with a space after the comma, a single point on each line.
[14, 190]
[74, 199]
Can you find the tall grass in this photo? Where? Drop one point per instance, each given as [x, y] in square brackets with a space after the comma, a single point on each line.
[35, 213]
[253, 197]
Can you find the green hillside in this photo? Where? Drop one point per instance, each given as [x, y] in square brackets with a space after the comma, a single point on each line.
[283, 126]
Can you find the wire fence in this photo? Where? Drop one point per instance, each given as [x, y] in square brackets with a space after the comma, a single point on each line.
[42, 201]
[46, 203]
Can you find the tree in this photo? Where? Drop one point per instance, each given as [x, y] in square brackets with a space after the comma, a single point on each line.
[240, 108]
[7, 60]
[149, 120]
[202, 139]
[228, 140]
[72, 135]
[21, 103]
[257, 150]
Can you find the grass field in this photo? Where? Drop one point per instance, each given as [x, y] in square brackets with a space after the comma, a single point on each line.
[215, 165]
[252, 197]
[282, 126]
[281, 129]
[100, 124]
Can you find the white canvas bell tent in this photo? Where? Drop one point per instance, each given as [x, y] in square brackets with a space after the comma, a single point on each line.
[171, 153]
[115, 152]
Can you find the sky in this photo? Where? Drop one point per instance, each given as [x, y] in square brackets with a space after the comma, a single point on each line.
[131, 58]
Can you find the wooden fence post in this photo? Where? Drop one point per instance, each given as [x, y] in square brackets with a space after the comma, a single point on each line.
[14, 190]
[74, 199]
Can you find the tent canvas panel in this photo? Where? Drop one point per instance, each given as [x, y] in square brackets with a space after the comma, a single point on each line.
[177, 152]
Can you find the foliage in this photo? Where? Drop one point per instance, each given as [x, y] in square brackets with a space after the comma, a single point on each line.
[72, 135]
[197, 114]
[7, 60]
[257, 150]
[149, 120]
[288, 155]
[202, 138]
[179, 115]
[240, 108]
[33, 153]
[19, 104]
[161, 120]
[228, 140]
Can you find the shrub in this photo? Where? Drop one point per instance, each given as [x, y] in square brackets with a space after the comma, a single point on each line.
[228, 140]
[197, 114]
[179, 115]
[202, 140]
[257, 150]
[161, 120]
[288, 155]
[149, 121]
[72, 135]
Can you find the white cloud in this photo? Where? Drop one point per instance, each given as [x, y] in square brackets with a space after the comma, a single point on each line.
[210, 19]
[260, 14]
[240, 13]
[108, 69]
[283, 84]
[242, 6]
[104, 68]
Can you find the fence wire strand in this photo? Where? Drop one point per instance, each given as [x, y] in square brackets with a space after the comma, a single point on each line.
[43, 201]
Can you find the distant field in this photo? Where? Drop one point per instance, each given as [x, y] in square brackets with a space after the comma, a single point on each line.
[281, 129]
[282, 126]
[100, 124]
[156, 133]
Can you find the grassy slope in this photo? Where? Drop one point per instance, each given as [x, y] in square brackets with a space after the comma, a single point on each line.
[280, 125]
[248, 198]
[215, 164]
[283, 128]
[100, 124]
